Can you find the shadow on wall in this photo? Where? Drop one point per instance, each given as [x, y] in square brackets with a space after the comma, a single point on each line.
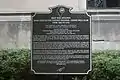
[105, 32]
[15, 34]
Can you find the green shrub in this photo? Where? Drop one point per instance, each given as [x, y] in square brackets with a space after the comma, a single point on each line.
[106, 65]
[13, 63]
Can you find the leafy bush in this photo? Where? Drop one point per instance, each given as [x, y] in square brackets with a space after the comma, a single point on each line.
[15, 63]
[106, 65]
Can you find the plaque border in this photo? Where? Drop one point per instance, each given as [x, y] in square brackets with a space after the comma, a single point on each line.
[50, 8]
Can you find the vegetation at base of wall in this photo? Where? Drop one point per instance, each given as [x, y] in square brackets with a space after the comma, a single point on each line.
[13, 62]
[106, 65]
[15, 65]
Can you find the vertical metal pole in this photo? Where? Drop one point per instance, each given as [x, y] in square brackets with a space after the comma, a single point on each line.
[76, 78]
[83, 78]
[60, 77]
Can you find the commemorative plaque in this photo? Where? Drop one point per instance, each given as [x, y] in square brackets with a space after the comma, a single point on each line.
[61, 42]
